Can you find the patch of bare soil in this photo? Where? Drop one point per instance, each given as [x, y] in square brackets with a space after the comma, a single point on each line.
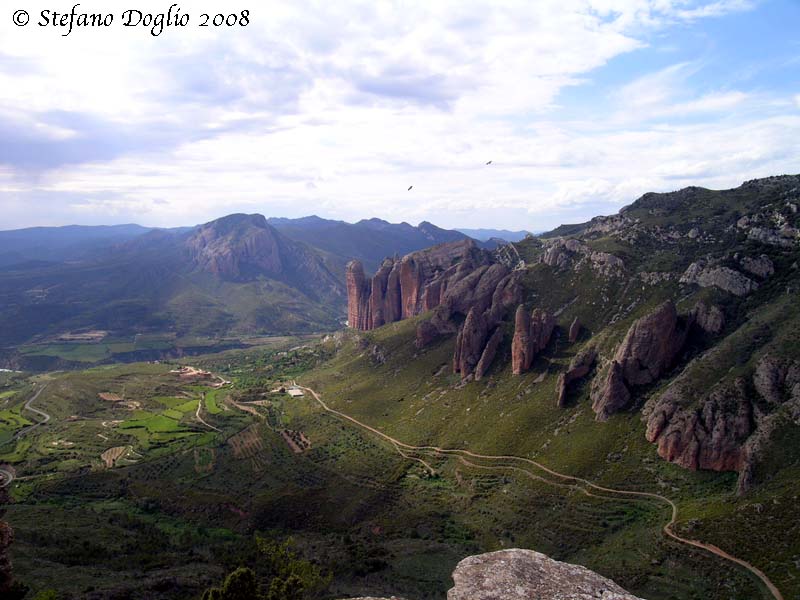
[112, 455]
[296, 440]
[248, 444]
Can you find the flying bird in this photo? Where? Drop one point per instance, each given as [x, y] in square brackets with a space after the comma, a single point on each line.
[409, 188]
[488, 163]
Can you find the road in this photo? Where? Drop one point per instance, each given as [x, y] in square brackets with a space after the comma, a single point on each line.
[8, 476]
[45, 417]
[578, 483]
[197, 414]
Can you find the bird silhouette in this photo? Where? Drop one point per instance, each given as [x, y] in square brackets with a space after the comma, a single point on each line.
[409, 188]
[489, 162]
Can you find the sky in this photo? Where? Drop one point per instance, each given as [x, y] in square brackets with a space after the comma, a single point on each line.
[336, 108]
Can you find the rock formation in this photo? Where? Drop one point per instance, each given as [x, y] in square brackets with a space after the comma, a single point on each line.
[454, 280]
[708, 437]
[561, 253]
[406, 287]
[531, 336]
[358, 297]
[648, 350]
[470, 342]
[728, 430]
[525, 574]
[726, 279]
[488, 353]
[710, 319]
[760, 267]
[578, 368]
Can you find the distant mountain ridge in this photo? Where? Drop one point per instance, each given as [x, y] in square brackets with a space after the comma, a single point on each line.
[240, 274]
[368, 240]
[62, 243]
[484, 235]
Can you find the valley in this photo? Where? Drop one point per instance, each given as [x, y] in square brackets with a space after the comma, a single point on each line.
[620, 394]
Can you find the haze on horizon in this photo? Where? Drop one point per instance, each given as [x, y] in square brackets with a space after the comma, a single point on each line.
[581, 105]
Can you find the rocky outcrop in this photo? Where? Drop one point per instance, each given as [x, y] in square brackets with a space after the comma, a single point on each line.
[724, 278]
[574, 330]
[531, 336]
[710, 436]
[783, 238]
[648, 350]
[489, 353]
[760, 266]
[525, 574]
[710, 319]
[470, 343]
[521, 344]
[358, 297]
[609, 393]
[578, 368]
[729, 429]
[563, 253]
[487, 296]
[455, 281]
[421, 281]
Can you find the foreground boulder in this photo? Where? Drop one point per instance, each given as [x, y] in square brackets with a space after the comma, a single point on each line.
[525, 575]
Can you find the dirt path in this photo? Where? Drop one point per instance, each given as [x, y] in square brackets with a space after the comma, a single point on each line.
[402, 446]
[41, 413]
[197, 414]
[8, 477]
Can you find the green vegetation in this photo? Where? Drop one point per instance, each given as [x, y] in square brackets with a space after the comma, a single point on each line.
[285, 576]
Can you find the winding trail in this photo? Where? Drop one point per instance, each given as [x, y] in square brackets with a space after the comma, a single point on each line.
[579, 484]
[41, 413]
[8, 476]
[197, 414]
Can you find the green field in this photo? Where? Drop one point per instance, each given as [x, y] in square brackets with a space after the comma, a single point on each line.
[183, 506]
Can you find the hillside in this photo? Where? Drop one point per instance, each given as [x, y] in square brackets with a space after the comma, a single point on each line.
[235, 275]
[624, 399]
[368, 240]
[59, 244]
[674, 323]
[183, 289]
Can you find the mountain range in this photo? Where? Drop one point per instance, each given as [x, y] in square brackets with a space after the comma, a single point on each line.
[238, 275]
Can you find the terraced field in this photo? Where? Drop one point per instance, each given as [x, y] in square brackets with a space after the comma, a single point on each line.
[183, 502]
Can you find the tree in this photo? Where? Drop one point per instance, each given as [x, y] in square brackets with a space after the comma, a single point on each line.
[290, 577]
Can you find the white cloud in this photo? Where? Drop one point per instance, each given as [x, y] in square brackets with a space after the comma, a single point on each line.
[338, 108]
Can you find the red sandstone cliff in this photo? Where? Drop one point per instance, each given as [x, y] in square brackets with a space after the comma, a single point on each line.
[456, 281]
[531, 336]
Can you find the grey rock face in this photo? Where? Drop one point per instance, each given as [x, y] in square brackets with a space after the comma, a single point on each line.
[709, 318]
[760, 266]
[525, 575]
[723, 278]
